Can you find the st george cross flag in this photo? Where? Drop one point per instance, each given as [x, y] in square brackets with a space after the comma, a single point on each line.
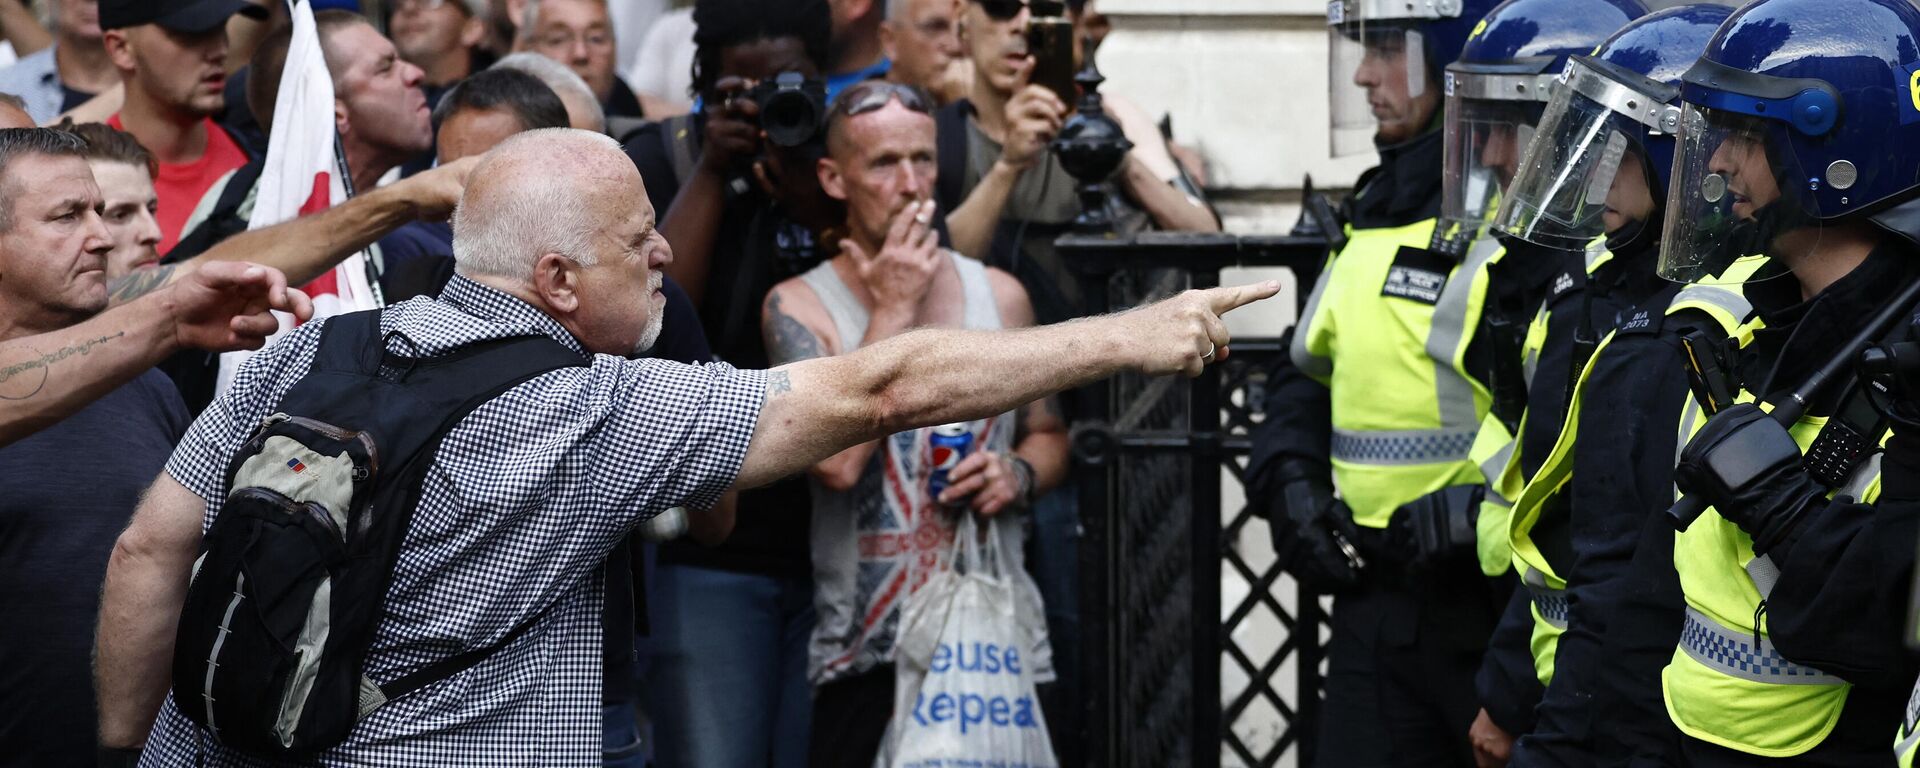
[301, 176]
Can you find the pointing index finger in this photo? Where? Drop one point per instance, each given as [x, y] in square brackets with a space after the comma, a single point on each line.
[1227, 299]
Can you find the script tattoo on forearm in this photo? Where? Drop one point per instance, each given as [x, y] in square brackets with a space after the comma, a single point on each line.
[44, 364]
[140, 283]
[788, 340]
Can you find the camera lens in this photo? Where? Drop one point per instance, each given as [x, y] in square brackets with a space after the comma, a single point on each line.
[792, 109]
[790, 118]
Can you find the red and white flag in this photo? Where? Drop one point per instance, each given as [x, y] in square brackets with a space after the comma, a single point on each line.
[301, 176]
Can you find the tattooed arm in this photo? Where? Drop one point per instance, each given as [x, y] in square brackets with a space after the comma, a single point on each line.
[46, 377]
[307, 247]
[790, 338]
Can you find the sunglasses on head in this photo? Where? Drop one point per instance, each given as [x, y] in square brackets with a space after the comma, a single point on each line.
[870, 95]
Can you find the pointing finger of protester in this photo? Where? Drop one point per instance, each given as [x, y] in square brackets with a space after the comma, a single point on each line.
[1229, 298]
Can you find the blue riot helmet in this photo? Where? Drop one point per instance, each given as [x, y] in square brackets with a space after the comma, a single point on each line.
[1601, 157]
[1497, 90]
[1800, 114]
[1377, 47]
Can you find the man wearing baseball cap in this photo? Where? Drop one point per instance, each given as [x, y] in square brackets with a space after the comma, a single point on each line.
[172, 57]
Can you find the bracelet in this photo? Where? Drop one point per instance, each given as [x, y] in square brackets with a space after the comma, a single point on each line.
[1023, 480]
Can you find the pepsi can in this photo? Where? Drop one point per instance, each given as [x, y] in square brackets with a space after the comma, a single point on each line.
[950, 444]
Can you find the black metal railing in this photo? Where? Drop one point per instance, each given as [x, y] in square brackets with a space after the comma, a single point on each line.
[1151, 456]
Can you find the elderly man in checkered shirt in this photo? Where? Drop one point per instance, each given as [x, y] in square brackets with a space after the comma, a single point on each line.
[555, 235]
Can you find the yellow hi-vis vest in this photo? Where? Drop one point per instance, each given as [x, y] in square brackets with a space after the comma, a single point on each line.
[1545, 586]
[1723, 687]
[1387, 334]
[1497, 452]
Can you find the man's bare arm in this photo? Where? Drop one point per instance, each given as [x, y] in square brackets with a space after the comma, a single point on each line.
[20, 27]
[146, 586]
[306, 247]
[816, 408]
[47, 377]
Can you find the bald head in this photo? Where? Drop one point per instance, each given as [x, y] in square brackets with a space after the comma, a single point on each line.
[537, 193]
[560, 218]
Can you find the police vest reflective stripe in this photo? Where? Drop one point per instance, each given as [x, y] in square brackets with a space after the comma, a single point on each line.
[1387, 323]
[1906, 743]
[1726, 684]
[1727, 307]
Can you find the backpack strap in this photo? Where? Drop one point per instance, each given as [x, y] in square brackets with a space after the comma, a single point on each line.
[443, 390]
[950, 147]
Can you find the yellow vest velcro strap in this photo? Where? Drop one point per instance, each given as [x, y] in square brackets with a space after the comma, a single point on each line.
[1731, 652]
[1421, 446]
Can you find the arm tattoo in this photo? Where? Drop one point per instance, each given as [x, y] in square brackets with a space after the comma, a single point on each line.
[140, 283]
[44, 364]
[778, 383]
[787, 339]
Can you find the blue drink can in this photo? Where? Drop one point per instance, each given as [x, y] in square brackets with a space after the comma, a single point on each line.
[950, 443]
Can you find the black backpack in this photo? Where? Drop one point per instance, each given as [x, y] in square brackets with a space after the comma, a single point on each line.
[293, 573]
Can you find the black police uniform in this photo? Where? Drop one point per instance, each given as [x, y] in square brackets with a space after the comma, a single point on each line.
[1581, 308]
[1833, 606]
[1413, 646]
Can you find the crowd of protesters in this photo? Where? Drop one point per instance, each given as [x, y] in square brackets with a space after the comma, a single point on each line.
[675, 586]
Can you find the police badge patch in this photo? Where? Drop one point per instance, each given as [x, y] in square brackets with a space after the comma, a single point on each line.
[1417, 275]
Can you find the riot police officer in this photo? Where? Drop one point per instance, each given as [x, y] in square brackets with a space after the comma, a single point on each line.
[1798, 141]
[1595, 174]
[1390, 374]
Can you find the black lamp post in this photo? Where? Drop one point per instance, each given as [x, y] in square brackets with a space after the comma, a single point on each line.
[1092, 147]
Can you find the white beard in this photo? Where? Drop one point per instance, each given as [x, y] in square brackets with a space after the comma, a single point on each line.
[655, 318]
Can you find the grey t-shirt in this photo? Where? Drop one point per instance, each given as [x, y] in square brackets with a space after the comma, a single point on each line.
[65, 495]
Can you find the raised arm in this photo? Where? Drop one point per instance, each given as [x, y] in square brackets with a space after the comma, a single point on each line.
[306, 247]
[816, 408]
[47, 377]
[1033, 117]
[147, 576]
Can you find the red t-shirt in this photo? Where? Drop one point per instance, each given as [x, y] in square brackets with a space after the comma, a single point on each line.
[181, 185]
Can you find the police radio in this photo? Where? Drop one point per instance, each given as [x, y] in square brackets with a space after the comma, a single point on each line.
[1788, 409]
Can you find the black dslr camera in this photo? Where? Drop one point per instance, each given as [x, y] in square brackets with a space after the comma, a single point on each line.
[793, 108]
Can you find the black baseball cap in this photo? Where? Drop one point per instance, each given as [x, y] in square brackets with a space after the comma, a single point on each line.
[191, 16]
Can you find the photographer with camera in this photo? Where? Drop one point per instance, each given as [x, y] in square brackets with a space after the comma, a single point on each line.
[727, 680]
[1005, 194]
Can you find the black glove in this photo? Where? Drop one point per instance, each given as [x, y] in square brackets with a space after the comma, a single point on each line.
[1747, 466]
[1436, 528]
[1313, 533]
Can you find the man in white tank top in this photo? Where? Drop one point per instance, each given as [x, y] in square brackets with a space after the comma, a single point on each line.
[879, 530]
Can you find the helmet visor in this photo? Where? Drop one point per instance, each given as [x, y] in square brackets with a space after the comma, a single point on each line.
[1377, 84]
[1485, 140]
[1726, 203]
[1584, 175]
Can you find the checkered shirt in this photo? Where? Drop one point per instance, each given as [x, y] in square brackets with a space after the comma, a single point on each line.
[523, 502]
